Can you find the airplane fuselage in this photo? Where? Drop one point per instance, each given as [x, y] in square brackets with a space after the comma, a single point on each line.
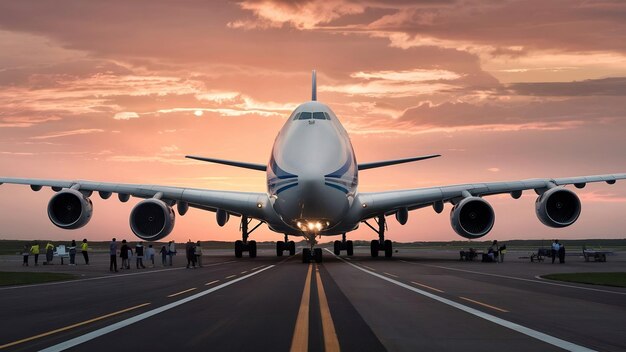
[312, 175]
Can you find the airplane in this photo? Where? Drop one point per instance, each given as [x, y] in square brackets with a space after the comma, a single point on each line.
[312, 191]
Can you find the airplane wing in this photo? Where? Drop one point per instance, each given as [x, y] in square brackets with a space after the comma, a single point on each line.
[365, 166]
[235, 203]
[251, 166]
[377, 203]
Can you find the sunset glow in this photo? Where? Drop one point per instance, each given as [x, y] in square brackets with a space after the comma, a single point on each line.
[121, 91]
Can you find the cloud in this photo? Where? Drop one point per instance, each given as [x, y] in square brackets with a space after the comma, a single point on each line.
[169, 148]
[126, 115]
[615, 86]
[68, 133]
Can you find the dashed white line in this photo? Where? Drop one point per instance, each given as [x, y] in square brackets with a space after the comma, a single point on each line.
[230, 277]
[428, 287]
[211, 283]
[181, 292]
[392, 275]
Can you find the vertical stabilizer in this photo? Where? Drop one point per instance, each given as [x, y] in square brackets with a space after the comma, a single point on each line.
[314, 87]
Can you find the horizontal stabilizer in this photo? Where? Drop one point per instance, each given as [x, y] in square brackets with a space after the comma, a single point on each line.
[259, 167]
[376, 164]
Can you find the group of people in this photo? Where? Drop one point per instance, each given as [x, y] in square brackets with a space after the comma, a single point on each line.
[558, 250]
[194, 254]
[35, 249]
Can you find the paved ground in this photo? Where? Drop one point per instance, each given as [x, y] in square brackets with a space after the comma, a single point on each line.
[419, 300]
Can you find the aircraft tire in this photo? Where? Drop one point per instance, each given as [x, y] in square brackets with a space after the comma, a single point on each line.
[292, 247]
[318, 255]
[374, 248]
[337, 247]
[252, 249]
[280, 246]
[306, 255]
[238, 249]
[349, 248]
[388, 249]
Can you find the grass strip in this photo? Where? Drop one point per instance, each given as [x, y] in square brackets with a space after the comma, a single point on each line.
[22, 278]
[615, 279]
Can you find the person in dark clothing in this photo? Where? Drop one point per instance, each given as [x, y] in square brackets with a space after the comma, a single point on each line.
[139, 255]
[190, 251]
[113, 254]
[163, 256]
[72, 250]
[561, 254]
[555, 249]
[124, 255]
[25, 254]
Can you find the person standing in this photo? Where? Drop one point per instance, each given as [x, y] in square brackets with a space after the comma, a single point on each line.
[150, 254]
[198, 253]
[163, 255]
[502, 251]
[25, 254]
[34, 249]
[171, 250]
[191, 255]
[113, 254]
[555, 249]
[49, 253]
[139, 255]
[124, 255]
[561, 254]
[72, 250]
[84, 248]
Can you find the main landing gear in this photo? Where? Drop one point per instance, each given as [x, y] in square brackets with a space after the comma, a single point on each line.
[343, 245]
[285, 246]
[244, 245]
[309, 255]
[381, 244]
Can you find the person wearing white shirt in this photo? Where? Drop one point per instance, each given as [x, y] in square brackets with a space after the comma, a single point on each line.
[555, 249]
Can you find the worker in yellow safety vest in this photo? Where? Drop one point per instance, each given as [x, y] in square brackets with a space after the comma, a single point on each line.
[34, 249]
[49, 253]
[84, 247]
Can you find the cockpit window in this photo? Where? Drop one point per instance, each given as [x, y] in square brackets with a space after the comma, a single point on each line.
[318, 115]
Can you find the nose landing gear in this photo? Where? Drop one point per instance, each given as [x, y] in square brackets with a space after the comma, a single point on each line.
[309, 255]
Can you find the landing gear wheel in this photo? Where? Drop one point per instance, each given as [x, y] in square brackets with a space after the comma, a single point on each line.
[238, 248]
[349, 248]
[317, 254]
[337, 247]
[388, 249]
[374, 248]
[292, 247]
[252, 249]
[306, 255]
[280, 246]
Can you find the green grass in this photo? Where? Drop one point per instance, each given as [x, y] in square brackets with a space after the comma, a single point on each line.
[605, 279]
[13, 278]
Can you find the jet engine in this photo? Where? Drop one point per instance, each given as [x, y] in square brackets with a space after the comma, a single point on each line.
[402, 215]
[558, 207]
[152, 219]
[69, 209]
[472, 217]
[222, 217]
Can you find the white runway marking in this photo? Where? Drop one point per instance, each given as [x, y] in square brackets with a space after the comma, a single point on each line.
[566, 345]
[69, 282]
[107, 329]
[539, 281]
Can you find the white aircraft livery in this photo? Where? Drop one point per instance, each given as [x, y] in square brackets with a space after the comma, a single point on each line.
[312, 191]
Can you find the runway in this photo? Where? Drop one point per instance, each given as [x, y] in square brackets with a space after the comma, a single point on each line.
[419, 300]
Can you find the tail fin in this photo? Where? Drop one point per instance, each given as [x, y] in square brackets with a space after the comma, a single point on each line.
[314, 87]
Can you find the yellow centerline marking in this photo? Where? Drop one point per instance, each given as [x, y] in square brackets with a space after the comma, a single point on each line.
[72, 326]
[211, 283]
[181, 292]
[426, 286]
[485, 305]
[369, 267]
[331, 343]
[300, 341]
[230, 277]
[392, 275]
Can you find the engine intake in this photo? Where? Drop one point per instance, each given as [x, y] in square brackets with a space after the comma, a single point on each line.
[472, 217]
[558, 207]
[69, 209]
[152, 219]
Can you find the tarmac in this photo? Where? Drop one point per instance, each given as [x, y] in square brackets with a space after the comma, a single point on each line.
[418, 300]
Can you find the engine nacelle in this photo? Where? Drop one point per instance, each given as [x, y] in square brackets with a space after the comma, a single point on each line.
[472, 217]
[152, 219]
[69, 209]
[402, 215]
[558, 207]
[222, 217]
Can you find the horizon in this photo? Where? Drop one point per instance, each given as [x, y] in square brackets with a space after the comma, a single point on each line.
[82, 97]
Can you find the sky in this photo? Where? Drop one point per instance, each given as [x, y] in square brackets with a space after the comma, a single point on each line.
[120, 91]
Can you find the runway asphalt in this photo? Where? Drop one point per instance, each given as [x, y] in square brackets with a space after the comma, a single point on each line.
[419, 300]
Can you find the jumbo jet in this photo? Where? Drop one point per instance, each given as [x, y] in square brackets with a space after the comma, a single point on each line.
[312, 191]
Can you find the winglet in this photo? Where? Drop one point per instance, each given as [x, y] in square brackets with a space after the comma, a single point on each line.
[314, 87]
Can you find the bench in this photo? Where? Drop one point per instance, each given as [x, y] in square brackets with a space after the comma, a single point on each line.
[61, 253]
